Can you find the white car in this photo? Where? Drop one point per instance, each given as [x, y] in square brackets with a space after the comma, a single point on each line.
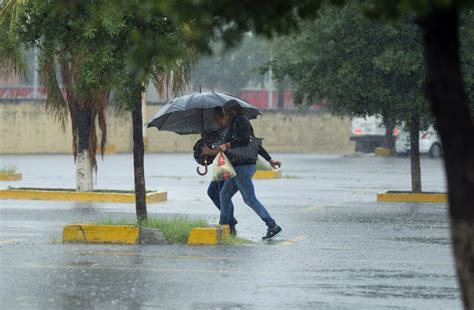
[430, 143]
[368, 133]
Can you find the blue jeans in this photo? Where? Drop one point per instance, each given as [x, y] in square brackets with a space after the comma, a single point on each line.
[242, 182]
[213, 191]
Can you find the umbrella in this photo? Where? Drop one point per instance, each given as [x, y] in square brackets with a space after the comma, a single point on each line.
[191, 114]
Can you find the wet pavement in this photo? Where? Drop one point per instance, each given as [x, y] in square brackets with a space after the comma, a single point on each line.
[339, 249]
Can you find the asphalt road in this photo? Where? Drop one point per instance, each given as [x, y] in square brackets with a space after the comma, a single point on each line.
[339, 248]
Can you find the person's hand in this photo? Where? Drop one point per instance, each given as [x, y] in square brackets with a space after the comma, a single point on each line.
[206, 150]
[275, 163]
[223, 147]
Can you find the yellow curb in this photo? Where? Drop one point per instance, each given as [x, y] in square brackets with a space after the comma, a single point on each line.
[204, 236]
[91, 233]
[382, 151]
[80, 196]
[409, 197]
[208, 235]
[267, 174]
[109, 149]
[10, 176]
[145, 144]
[225, 232]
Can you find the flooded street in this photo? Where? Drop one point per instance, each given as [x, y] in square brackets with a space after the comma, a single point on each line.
[339, 248]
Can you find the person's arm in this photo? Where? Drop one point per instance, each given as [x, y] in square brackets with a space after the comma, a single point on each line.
[274, 163]
[210, 152]
[262, 152]
[242, 134]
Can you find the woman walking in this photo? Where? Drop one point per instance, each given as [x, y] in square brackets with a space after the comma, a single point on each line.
[239, 135]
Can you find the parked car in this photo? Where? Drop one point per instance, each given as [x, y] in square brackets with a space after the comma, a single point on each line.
[430, 143]
[368, 133]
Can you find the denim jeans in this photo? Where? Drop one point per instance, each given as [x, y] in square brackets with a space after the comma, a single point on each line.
[242, 182]
[213, 191]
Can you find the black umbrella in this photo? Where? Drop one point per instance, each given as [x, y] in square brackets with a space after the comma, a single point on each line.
[192, 114]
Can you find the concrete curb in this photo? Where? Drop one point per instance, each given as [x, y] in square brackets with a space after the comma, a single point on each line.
[109, 149]
[10, 176]
[208, 235]
[382, 151]
[79, 196]
[116, 234]
[267, 174]
[412, 197]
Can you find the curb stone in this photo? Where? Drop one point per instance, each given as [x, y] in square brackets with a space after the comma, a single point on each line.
[45, 194]
[412, 197]
[267, 174]
[10, 176]
[208, 235]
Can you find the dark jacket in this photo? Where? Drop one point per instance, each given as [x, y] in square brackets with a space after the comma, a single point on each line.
[240, 131]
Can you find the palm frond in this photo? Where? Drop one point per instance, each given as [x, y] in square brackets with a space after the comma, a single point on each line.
[55, 102]
[172, 78]
[12, 56]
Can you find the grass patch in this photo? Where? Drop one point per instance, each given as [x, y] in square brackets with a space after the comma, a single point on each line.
[175, 229]
[234, 240]
[8, 169]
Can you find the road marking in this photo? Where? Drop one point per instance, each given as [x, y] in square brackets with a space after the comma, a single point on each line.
[138, 268]
[317, 207]
[10, 241]
[193, 257]
[313, 208]
[291, 241]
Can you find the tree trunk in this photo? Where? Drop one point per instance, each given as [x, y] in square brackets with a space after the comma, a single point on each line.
[449, 103]
[415, 155]
[389, 140]
[84, 175]
[138, 160]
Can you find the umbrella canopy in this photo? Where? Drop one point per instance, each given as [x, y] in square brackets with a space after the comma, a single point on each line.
[192, 113]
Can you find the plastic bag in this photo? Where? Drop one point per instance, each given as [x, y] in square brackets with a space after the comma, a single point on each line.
[222, 169]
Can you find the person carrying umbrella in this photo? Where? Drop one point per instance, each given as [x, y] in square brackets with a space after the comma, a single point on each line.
[239, 135]
[215, 187]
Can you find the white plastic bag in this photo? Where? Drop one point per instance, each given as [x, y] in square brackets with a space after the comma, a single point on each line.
[222, 168]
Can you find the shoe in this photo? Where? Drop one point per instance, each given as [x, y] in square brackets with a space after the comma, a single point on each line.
[233, 232]
[272, 232]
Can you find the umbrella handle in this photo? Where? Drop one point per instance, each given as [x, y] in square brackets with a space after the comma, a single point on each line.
[205, 169]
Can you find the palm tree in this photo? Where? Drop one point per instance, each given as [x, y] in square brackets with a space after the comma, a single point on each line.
[24, 24]
[89, 53]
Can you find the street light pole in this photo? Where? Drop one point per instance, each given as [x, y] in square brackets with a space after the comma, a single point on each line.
[270, 88]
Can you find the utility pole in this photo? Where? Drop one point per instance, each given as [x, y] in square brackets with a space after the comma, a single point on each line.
[270, 88]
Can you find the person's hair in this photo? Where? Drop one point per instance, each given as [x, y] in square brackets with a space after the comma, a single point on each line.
[233, 108]
[217, 112]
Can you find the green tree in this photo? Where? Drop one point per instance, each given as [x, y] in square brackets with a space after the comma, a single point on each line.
[75, 71]
[359, 67]
[231, 70]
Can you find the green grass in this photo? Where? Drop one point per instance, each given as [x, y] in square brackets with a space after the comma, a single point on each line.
[234, 240]
[175, 229]
[8, 169]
